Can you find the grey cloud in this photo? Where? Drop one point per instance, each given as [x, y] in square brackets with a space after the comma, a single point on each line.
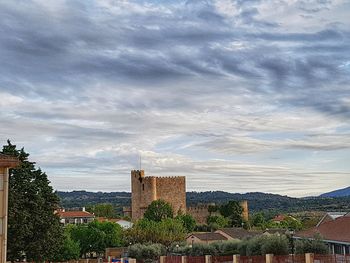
[115, 80]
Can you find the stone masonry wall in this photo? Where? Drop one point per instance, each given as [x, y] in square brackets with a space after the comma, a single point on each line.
[146, 189]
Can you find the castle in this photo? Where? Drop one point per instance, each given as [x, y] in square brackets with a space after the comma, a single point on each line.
[145, 190]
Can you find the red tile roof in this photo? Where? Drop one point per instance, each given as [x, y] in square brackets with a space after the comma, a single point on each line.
[70, 214]
[336, 230]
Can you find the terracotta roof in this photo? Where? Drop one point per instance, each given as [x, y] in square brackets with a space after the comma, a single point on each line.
[238, 233]
[330, 216]
[336, 230]
[8, 161]
[68, 214]
[209, 236]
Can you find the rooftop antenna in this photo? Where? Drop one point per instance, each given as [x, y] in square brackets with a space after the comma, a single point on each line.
[140, 162]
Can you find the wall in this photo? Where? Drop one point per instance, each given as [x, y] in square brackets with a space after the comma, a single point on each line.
[200, 212]
[145, 190]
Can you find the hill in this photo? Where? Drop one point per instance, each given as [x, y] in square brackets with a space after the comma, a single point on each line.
[338, 193]
[257, 201]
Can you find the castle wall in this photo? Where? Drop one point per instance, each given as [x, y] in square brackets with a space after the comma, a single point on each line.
[173, 191]
[146, 189]
[200, 212]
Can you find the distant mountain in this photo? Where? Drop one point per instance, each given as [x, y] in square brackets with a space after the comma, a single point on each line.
[256, 201]
[338, 193]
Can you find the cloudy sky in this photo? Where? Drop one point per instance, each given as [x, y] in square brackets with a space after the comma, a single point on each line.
[237, 95]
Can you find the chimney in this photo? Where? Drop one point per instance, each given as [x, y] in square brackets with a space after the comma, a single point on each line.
[83, 209]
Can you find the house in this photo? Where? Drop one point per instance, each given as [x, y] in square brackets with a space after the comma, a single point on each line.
[204, 238]
[335, 233]
[237, 233]
[75, 217]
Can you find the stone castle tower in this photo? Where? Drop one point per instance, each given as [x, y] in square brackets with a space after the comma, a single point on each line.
[146, 189]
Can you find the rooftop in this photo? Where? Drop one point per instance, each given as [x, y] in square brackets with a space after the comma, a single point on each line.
[337, 230]
[74, 214]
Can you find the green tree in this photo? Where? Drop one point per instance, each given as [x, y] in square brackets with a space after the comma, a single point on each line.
[291, 223]
[103, 210]
[33, 227]
[96, 236]
[216, 222]
[159, 210]
[275, 244]
[147, 252]
[187, 221]
[164, 232]
[258, 220]
[69, 249]
[233, 211]
[315, 245]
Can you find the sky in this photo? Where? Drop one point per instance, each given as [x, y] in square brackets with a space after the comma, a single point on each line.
[237, 95]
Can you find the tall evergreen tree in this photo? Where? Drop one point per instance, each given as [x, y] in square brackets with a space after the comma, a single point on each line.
[33, 228]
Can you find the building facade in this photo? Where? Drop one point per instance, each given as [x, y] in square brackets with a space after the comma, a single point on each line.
[146, 189]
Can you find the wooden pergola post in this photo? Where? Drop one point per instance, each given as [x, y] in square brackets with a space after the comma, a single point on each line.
[6, 162]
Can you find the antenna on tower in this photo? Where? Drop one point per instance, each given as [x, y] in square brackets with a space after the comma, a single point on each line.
[140, 161]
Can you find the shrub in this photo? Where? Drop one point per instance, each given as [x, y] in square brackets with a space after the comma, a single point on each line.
[146, 252]
[275, 244]
[315, 245]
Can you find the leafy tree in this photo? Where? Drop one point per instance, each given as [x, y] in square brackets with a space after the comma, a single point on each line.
[159, 210]
[69, 249]
[103, 210]
[258, 220]
[164, 232]
[33, 227]
[147, 252]
[315, 245]
[275, 244]
[187, 221]
[216, 222]
[233, 211]
[96, 236]
[291, 223]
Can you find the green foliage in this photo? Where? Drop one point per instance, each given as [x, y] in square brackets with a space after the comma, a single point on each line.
[33, 228]
[146, 252]
[159, 210]
[226, 248]
[258, 220]
[216, 222]
[164, 232]
[96, 236]
[102, 210]
[69, 249]
[315, 245]
[269, 244]
[275, 244]
[291, 223]
[187, 221]
[233, 211]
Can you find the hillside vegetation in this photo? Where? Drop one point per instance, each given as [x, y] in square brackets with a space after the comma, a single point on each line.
[257, 201]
